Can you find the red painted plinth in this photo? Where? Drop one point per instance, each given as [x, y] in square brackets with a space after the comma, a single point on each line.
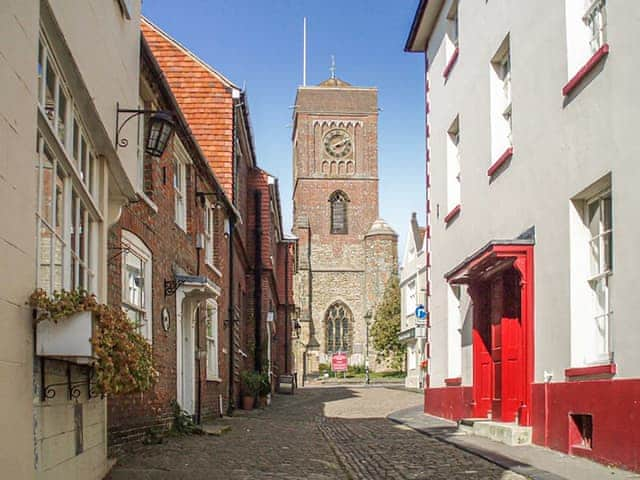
[614, 409]
[453, 382]
[453, 403]
[451, 63]
[584, 71]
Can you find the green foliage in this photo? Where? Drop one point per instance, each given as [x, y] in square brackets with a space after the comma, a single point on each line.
[324, 368]
[182, 422]
[355, 370]
[386, 326]
[265, 384]
[251, 382]
[124, 360]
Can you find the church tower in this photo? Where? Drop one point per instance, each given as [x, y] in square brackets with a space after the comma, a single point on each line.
[345, 252]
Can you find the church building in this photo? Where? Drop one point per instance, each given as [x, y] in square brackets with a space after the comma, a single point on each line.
[346, 253]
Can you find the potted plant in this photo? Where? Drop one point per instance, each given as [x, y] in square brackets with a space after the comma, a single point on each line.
[250, 388]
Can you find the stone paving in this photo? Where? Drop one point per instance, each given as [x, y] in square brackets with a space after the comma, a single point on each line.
[318, 433]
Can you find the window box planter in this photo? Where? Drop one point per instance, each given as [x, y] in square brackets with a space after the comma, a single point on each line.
[69, 338]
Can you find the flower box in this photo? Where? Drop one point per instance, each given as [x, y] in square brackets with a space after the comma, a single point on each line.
[68, 338]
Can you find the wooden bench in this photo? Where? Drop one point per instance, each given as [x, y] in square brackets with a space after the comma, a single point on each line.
[289, 380]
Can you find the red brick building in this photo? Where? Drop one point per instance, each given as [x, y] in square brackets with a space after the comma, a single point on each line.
[167, 255]
[218, 115]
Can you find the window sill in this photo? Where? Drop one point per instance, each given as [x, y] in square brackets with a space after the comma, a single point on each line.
[451, 63]
[214, 379]
[584, 71]
[607, 370]
[504, 158]
[455, 211]
[453, 382]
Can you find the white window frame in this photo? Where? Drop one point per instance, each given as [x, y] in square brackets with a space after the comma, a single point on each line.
[209, 230]
[213, 366]
[180, 184]
[453, 31]
[453, 165]
[501, 100]
[595, 18]
[600, 275]
[134, 246]
[410, 300]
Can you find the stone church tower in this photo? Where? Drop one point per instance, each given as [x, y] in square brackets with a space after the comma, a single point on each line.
[345, 252]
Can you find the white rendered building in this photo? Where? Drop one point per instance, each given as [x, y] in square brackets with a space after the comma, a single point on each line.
[533, 169]
[65, 66]
[413, 281]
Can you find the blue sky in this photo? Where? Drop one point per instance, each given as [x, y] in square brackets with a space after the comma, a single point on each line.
[258, 43]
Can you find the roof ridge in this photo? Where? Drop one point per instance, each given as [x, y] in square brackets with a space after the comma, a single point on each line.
[188, 52]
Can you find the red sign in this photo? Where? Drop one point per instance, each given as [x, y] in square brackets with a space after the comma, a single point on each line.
[339, 362]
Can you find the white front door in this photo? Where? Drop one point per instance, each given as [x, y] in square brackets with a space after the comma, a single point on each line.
[186, 353]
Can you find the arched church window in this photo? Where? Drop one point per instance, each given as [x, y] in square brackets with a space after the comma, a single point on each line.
[338, 328]
[339, 202]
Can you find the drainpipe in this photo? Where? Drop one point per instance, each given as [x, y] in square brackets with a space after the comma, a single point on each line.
[287, 336]
[231, 323]
[258, 281]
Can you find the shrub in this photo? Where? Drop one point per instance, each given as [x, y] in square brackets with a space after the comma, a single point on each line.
[251, 382]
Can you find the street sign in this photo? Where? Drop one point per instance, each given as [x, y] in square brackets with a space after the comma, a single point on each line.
[339, 362]
[421, 312]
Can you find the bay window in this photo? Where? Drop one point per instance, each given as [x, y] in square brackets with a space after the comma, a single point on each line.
[67, 214]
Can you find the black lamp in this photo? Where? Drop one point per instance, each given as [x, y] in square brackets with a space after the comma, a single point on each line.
[161, 127]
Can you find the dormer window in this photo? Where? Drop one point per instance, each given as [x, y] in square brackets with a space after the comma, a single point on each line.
[339, 202]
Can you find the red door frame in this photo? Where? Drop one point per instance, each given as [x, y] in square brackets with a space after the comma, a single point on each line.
[520, 256]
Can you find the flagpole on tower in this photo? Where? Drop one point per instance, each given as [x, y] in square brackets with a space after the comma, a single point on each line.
[304, 52]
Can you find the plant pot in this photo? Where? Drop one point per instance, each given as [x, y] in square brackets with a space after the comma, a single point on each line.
[68, 338]
[248, 402]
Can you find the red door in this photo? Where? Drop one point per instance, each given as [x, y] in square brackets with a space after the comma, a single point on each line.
[483, 363]
[496, 302]
[512, 349]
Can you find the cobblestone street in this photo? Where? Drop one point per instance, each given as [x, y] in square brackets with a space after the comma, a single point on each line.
[319, 433]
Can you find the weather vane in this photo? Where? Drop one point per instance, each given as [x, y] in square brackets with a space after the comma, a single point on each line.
[332, 69]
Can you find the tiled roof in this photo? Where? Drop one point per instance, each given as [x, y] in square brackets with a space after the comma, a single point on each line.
[204, 96]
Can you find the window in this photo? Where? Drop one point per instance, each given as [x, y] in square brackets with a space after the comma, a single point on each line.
[451, 44]
[338, 328]
[453, 165]
[137, 282]
[410, 298]
[179, 186]
[501, 118]
[339, 202]
[209, 225]
[454, 330]
[586, 31]
[212, 341]
[598, 218]
[592, 275]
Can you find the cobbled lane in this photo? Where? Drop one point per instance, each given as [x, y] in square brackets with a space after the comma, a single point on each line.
[318, 433]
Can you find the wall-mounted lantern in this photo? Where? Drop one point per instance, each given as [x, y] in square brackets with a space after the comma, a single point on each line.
[161, 126]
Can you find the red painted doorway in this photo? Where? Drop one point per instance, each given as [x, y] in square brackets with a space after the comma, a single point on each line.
[500, 281]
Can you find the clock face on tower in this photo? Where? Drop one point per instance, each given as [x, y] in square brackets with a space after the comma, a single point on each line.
[337, 143]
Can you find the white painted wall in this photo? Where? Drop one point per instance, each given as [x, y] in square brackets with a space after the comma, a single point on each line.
[560, 148]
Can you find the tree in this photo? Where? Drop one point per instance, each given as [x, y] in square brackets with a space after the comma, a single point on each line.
[386, 326]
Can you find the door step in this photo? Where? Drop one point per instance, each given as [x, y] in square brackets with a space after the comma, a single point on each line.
[508, 433]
